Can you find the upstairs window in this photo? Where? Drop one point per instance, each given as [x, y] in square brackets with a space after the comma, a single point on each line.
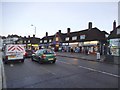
[74, 38]
[45, 41]
[50, 40]
[67, 39]
[82, 36]
[40, 41]
[28, 41]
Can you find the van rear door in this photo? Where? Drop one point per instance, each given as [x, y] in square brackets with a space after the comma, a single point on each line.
[15, 52]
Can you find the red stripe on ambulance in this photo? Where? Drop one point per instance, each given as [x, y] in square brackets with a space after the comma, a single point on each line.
[13, 49]
[20, 48]
[10, 48]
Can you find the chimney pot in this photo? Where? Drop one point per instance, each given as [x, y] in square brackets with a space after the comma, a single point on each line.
[33, 35]
[114, 25]
[46, 34]
[59, 31]
[28, 36]
[90, 25]
[68, 30]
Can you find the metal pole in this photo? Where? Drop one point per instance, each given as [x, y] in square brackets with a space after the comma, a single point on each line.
[35, 30]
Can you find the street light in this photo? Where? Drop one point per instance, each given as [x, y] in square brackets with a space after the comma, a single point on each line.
[35, 28]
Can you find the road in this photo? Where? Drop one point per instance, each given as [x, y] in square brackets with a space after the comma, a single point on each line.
[65, 73]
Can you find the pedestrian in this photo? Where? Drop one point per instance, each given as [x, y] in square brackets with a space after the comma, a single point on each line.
[86, 51]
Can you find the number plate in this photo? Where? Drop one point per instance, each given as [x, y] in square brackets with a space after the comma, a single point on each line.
[11, 56]
[50, 59]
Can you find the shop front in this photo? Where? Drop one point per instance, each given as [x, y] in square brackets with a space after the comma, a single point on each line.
[115, 47]
[91, 47]
[33, 46]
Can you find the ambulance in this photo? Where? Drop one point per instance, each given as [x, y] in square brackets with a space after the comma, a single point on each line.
[14, 52]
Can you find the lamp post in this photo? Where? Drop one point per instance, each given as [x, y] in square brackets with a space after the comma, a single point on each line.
[34, 27]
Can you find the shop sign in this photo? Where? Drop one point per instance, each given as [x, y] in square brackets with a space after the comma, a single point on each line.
[91, 43]
[114, 42]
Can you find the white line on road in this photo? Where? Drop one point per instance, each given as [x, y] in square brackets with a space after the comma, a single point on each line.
[91, 69]
[48, 70]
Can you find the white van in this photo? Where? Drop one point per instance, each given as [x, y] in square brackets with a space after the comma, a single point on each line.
[14, 52]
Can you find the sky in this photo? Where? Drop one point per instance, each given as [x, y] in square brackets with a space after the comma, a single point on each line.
[17, 17]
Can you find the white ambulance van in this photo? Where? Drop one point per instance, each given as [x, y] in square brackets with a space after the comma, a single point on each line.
[13, 52]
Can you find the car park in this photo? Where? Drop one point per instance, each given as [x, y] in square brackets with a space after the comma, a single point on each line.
[44, 55]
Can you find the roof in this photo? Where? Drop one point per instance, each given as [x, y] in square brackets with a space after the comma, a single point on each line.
[113, 34]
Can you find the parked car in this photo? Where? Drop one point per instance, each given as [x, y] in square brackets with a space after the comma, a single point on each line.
[28, 53]
[44, 55]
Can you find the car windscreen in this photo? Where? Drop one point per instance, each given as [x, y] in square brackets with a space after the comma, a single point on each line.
[48, 51]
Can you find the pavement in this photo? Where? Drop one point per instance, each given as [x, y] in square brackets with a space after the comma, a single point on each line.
[90, 57]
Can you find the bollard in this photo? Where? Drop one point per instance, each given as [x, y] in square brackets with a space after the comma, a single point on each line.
[98, 56]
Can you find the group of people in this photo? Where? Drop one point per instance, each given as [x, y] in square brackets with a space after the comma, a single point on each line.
[75, 50]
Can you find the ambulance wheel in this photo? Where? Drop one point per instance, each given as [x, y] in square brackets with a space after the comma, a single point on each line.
[5, 61]
[22, 60]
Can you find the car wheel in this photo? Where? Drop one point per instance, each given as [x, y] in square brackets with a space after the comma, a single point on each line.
[40, 61]
[54, 61]
[32, 59]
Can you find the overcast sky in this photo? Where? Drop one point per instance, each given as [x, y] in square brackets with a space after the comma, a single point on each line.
[50, 17]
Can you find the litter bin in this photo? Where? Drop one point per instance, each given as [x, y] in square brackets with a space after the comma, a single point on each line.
[98, 56]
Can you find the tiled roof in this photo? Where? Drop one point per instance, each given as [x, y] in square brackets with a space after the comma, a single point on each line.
[113, 34]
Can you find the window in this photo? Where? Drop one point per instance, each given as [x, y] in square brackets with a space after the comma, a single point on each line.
[50, 40]
[40, 41]
[56, 38]
[45, 41]
[106, 35]
[28, 41]
[82, 36]
[74, 38]
[67, 39]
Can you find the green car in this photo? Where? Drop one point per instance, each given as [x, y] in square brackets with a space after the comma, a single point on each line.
[44, 55]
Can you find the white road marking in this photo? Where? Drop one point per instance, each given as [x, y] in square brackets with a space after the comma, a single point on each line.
[48, 71]
[91, 69]
[11, 65]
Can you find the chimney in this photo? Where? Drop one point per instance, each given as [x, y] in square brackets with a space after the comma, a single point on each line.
[90, 25]
[28, 36]
[46, 34]
[33, 35]
[59, 31]
[24, 36]
[114, 25]
[68, 30]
